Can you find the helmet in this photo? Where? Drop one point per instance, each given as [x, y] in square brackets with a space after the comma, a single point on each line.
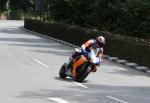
[100, 41]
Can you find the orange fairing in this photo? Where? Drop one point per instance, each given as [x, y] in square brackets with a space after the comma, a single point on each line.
[77, 63]
[88, 43]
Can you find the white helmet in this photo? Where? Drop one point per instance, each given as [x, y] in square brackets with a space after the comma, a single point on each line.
[100, 41]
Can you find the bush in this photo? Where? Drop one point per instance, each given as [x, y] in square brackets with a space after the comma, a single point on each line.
[132, 49]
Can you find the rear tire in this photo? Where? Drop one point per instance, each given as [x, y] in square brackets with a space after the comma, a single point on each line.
[62, 72]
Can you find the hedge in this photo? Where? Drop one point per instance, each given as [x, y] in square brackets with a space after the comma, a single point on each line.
[129, 48]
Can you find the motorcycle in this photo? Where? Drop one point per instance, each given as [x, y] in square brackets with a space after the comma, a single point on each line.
[80, 67]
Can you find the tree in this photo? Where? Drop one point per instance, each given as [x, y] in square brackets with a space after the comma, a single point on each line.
[4, 6]
[135, 19]
[57, 9]
[80, 9]
[24, 5]
[20, 8]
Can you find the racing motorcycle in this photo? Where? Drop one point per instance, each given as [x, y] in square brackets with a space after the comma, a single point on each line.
[80, 67]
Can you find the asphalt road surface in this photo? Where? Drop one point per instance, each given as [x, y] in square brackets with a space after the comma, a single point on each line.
[29, 67]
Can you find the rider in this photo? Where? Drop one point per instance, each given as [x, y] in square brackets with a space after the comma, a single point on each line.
[94, 49]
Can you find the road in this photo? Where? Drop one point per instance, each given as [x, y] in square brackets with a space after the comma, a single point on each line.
[29, 67]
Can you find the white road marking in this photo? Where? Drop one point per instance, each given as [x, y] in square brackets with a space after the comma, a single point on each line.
[36, 60]
[81, 85]
[46, 66]
[116, 99]
[58, 100]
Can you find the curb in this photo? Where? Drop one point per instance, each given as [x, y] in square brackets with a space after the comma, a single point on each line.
[114, 59]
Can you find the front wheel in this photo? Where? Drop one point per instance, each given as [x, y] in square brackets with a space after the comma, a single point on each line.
[83, 72]
[62, 72]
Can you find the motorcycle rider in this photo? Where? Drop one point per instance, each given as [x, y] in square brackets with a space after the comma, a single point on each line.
[94, 49]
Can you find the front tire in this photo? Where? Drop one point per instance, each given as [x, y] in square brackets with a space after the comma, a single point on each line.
[83, 72]
[62, 72]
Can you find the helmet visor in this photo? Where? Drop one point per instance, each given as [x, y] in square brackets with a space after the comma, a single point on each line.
[101, 45]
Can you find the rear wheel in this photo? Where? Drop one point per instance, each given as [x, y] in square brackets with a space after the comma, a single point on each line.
[83, 72]
[62, 72]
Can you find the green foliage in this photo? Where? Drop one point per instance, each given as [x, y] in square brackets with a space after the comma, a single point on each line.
[104, 13]
[79, 11]
[58, 9]
[16, 8]
[128, 17]
[69, 11]
[3, 5]
[136, 20]
[16, 15]
[24, 5]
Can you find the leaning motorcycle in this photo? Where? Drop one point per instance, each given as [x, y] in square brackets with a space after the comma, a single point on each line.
[80, 68]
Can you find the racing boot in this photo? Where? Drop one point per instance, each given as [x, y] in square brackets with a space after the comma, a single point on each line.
[94, 69]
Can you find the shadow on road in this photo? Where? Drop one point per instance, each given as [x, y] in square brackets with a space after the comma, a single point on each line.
[13, 30]
[68, 79]
[64, 79]
[94, 94]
